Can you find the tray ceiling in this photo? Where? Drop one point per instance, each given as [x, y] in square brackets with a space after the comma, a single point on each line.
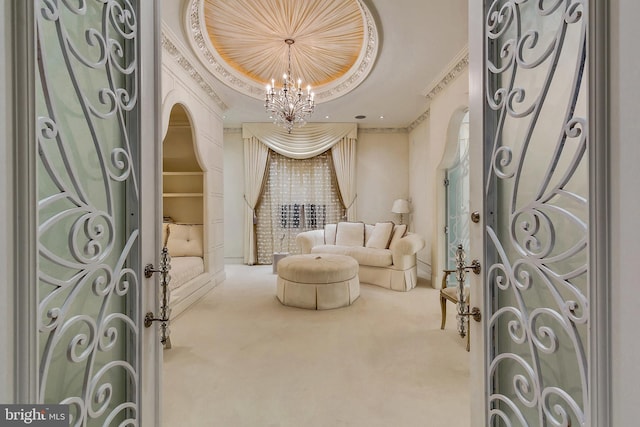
[243, 43]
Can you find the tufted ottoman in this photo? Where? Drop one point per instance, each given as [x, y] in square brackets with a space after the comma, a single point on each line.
[318, 281]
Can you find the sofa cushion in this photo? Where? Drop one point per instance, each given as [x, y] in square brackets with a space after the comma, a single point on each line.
[365, 256]
[330, 234]
[381, 235]
[398, 233]
[185, 240]
[350, 234]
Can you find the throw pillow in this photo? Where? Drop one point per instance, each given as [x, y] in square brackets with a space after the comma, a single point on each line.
[185, 240]
[381, 235]
[368, 229]
[350, 234]
[330, 234]
[398, 233]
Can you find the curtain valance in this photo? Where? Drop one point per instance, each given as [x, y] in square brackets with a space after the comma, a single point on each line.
[305, 142]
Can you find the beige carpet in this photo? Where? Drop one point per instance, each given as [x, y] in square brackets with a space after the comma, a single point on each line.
[241, 359]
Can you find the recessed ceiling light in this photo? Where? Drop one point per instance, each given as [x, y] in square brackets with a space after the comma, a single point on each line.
[361, 117]
[326, 117]
[382, 117]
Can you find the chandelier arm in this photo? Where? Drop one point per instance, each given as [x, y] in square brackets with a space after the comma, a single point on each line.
[288, 107]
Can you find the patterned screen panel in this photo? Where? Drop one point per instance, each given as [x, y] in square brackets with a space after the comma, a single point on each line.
[88, 288]
[538, 212]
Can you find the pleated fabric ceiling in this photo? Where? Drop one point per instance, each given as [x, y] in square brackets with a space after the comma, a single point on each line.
[242, 42]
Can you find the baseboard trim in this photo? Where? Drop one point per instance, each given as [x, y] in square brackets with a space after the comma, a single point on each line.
[234, 260]
[220, 277]
[424, 269]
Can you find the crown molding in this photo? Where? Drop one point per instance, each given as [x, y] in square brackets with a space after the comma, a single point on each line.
[459, 63]
[177, 52]
[231, 130]
[424, 116]
[382, 130]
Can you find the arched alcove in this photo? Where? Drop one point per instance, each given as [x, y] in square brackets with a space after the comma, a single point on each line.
[183, 209]
[182, 175]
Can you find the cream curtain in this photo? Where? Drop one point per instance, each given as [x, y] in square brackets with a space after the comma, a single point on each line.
[255, 163]
[344, 163]
[298, 195]
[302, 143]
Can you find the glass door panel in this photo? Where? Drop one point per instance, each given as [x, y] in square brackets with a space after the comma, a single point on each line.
[537, 207]
[457, 194]
[87, 183]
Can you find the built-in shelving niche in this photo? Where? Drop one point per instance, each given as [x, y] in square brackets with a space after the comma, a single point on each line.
[182, 177]
[183, 194]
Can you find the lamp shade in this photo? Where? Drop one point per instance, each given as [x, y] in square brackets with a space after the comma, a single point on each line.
[400, 206]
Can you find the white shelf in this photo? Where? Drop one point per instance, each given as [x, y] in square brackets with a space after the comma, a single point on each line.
[181, 194]
[182, 173]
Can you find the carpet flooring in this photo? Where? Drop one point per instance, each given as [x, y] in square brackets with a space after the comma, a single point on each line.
[241, 359]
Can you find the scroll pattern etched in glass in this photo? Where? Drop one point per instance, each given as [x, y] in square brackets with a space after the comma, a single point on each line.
[536, 177]
[88, 235]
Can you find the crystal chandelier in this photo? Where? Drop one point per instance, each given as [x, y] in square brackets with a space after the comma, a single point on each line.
[289, 106]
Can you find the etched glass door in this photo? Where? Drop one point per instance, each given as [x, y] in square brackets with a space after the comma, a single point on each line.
[88, 174]
[537, 213]
[457, 195]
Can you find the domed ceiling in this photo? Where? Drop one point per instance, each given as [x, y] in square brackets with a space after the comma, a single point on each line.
[242, 42]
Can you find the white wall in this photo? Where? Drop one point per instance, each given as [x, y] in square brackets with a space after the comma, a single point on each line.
[233, 198]
[178, 86]
[625, 205]
[382, 176]
[427, 146]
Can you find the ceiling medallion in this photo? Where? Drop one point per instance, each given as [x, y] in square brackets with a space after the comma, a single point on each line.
[289, 106]
[336, 42]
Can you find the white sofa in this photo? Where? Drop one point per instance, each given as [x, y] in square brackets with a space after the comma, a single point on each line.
[386, 253]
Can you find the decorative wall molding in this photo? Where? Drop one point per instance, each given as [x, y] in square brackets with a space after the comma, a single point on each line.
[459, 63]
[171, 47]
[424, 116]
[360, 130]
[382, 130]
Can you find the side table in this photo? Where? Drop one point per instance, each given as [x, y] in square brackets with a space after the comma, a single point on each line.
[277, 256]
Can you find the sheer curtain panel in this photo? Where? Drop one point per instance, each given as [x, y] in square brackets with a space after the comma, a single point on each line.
[298, 195]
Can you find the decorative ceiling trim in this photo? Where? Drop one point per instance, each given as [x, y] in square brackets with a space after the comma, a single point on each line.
[231, 130]
[459, 63]
[382, 130]
[202, 46]
[174, 51]
[424, 116]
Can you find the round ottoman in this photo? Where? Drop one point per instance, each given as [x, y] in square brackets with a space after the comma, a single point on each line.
[318, 281]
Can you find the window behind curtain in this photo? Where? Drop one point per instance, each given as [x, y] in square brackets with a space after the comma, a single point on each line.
[299, 195]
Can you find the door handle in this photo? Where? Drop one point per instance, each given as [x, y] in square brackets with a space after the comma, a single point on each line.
[463, 306]
[165, 310]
